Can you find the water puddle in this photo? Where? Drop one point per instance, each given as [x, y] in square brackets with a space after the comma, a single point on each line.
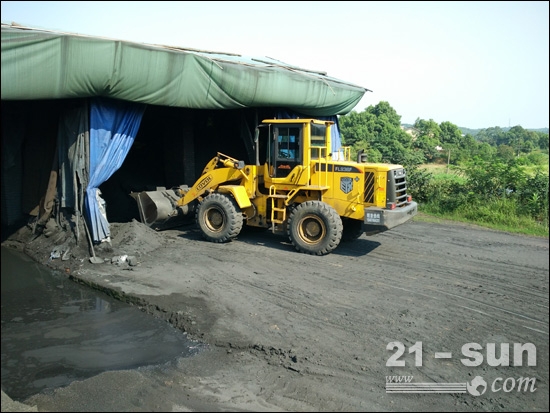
[55, 331]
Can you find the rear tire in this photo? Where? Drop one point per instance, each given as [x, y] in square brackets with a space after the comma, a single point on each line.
[219, 218]
[314, 228]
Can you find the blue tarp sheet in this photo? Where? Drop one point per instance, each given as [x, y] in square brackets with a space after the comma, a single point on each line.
[113, 127]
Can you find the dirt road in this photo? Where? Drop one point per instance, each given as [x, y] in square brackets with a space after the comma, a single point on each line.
[292, 332]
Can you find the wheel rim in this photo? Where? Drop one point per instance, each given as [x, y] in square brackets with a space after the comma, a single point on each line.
[214, 219]
[312, 229]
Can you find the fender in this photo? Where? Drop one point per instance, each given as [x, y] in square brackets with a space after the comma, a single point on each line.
[238, 192]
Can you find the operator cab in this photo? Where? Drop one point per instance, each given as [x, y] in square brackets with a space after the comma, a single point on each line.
[291, 143]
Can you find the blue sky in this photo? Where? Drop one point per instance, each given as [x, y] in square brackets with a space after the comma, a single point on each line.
[475, 64]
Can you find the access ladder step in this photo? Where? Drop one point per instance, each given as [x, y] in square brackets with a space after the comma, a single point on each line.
[278, 214]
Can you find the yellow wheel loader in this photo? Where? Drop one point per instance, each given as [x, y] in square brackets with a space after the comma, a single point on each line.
[296, 186]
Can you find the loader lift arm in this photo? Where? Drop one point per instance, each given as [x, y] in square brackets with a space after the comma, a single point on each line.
[220, 170]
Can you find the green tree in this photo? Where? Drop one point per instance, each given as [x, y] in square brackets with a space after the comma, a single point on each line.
[450, 134]
[493, 136]
[516, 138]
[356, 127]
[378, 131]
[427, 134]
[543, 141]
[505, 152]
[386, 113]
[483, 151]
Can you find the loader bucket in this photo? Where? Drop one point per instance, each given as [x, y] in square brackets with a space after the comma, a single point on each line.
[158, 209]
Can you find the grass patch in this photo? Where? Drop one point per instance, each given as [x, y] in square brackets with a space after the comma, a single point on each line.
[447, 197]
[485, 217]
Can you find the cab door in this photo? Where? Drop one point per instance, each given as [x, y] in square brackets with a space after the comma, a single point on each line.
[287, 149]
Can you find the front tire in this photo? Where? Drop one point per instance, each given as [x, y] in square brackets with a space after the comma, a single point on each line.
[219, 218]
[314, 228]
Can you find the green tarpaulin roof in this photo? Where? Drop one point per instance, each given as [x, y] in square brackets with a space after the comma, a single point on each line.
[42, 64]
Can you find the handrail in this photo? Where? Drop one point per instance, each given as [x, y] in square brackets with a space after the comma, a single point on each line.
[346, 150]
[320, 160]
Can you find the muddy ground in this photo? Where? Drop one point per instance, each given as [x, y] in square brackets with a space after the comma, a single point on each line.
[293, 332]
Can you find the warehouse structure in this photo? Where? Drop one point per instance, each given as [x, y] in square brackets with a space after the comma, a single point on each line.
[87, 120]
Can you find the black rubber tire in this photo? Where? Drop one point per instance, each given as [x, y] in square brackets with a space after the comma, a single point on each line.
[314, 228]
[219, 218]
[353, 229]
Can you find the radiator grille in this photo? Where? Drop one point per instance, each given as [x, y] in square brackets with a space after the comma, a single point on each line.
[397, 182]
[396, 190]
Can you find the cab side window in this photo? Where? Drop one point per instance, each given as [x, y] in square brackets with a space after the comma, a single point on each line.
[318, 141]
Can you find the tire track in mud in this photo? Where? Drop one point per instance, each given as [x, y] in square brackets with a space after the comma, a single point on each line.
[489, 276]
[491, 296]
[492, 285]
[475, 269]
[481, 285]
[309, 308]
[330, 318]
